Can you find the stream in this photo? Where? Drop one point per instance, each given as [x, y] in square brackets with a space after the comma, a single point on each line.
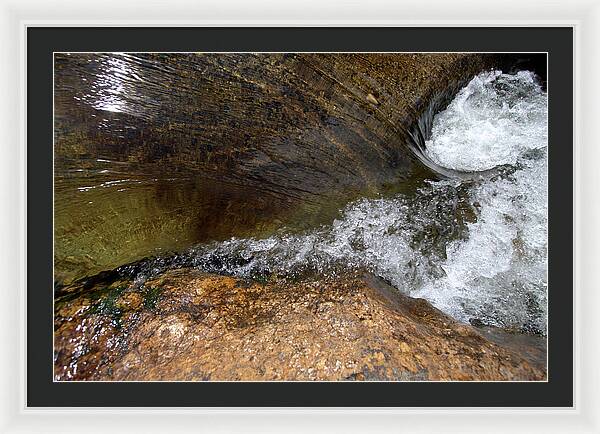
[476, 247]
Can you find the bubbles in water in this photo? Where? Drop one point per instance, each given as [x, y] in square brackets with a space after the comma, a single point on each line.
[492, 121]
[499, 274]
[477, 251]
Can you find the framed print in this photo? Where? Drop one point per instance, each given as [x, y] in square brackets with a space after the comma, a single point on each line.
[273, 220]
[283, 218]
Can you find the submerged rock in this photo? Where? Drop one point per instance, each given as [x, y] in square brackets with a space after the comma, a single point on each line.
[157, 152]
[189, 325]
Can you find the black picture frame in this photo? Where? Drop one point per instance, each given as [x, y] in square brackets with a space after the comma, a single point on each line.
[42, 391]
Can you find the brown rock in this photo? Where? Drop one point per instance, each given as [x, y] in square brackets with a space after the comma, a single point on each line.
[208, 327]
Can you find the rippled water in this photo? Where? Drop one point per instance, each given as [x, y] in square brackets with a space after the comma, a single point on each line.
[476, 249]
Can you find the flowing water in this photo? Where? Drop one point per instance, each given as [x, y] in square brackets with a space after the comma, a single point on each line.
[475, 246]
[476, 249]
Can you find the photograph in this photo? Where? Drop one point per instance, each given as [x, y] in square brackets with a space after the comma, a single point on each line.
[300, 216]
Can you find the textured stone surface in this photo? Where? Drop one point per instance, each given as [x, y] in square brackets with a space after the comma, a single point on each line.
[160, 151]
[188, 325]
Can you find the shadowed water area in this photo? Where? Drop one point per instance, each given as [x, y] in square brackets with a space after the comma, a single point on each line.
[428, 171]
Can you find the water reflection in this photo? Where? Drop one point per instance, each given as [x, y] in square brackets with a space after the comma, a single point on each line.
[109, 86]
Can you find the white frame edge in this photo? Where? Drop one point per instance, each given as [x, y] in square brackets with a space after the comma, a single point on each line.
[16, 15]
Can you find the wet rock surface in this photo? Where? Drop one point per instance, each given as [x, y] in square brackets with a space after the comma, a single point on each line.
[189, 325]
[161, 151]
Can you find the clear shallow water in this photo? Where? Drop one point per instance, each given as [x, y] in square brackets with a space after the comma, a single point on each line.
[475, 249]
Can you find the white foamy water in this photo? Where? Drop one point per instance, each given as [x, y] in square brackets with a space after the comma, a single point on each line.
[476, 250]
[492, 121]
